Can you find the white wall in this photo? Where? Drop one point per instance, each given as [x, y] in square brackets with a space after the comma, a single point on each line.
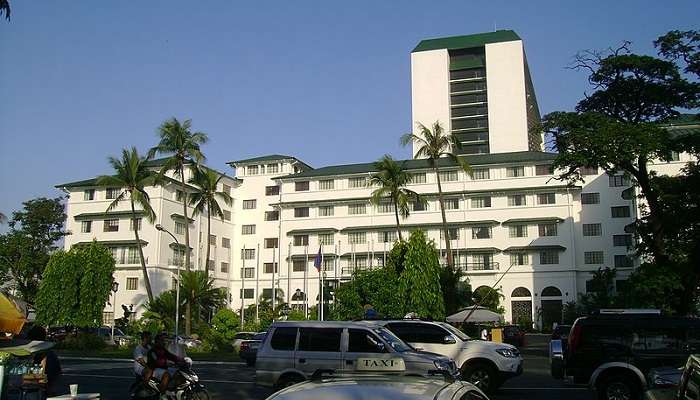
[430, 89]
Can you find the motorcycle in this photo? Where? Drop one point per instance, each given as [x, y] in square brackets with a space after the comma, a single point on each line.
[183, 385]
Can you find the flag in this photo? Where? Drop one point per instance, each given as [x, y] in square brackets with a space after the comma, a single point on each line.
[317, 260]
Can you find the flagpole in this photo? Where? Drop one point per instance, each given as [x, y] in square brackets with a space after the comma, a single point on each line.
[320, 280]
[257, 284]
[243, 287]
[289, 274]
[274, 268]
[306, 276]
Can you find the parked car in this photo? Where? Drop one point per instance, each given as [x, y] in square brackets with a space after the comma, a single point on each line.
[675, 383]
[561, 334]
[613, 351]
[240, 337]
[294, 350]
[189, 342]
[512, 334]
[249, 348]
[486, 364]
[120, 339]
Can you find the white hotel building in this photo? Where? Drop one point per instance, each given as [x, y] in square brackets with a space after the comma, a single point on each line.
[509, 213]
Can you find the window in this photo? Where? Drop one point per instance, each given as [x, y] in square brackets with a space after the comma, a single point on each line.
[247, 254]
[419, 332]
[514, 172]
[357, 182]
[298, 265]
[360, 263]
[111, 225]
[272, 243]
[89, 194]
[180, 228]
[301, 186]
[418, 177]
[592, 230]
[326, 239]
[107, 318]
[211, 265]
[593, 257]
[248, 294]
[622, 261]
[480, 173]
[517, 231]
[273, 168]
[226, 189]
[387, 237]
[543, 169]
[357, 209]
[326, 184]
[618, 180]
[449, 176]
[515, 200]
[519, 259]
[622, 240]
[86, 226]
[227, 215]
[301, 212]
[132, 283]
[301, 240]
[620, 211]
[272, 215]
[178, 195]
[272, 190]
[178, 256]
[325, 211]
[590, 198]
[132, 255]
[112, 193]
[138, 224]
[481, 202]
[452, 232]
[248, 229]
[674, 156]
[588, 170]
[418, 205]
[362, 341]
[385, 208]
[252, 170]
[545, 198]
[320, 339]
[357, 237]
[224, 267]
[549, 257]
[548, 229]
[248, 273]
[249, 204]
[225, 243]
[284, 338]
[452, 204]
[481, 232]
[270, 268]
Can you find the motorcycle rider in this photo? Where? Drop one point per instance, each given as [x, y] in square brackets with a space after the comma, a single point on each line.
[140, 356]
[158, 357]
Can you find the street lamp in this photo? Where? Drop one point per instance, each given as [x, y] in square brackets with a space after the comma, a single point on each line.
[115, 287]
[177, 291]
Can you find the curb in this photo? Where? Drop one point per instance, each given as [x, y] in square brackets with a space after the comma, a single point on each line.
[71, 358]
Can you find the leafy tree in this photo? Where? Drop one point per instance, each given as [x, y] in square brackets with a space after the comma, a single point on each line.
[206, 198]
[657, 286]
[435, 144]
[75, 287]
[685, 45]
[456, 292]
[41, 220]
[197, 289]
[132, 176]
[378, 287]
[420, 280]
[490, 298]
[161, 311]
[224, 326]
[5, 8]
[391, 180]
[601, 293]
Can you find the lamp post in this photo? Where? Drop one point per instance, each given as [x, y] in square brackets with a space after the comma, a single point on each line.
[115, 287]
[177, 290]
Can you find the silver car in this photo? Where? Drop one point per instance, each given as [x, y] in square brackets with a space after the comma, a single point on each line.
[293, 351]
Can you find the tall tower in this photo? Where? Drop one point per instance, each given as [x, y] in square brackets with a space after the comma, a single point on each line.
[479, 88]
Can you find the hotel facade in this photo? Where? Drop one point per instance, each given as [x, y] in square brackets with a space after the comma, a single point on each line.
[510, 222]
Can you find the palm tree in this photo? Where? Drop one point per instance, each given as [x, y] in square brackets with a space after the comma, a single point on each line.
[198, 289]
[132, 177]
[392, 180]
[182, 145]
[435, 144]
[162, 310]
[205, 198]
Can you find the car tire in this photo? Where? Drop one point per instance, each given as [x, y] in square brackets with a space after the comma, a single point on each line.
[288, 380]
[619, 387]
[481, 375]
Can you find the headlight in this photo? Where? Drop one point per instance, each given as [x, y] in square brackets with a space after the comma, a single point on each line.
[506, 352]
[445, 365]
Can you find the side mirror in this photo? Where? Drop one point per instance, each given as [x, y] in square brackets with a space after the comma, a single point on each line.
[380, 347]
[448, 339]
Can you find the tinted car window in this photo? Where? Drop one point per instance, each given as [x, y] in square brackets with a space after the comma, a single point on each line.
[319, 339]
[418, 333]
[658, 339]
[361, 341]
[284, 338]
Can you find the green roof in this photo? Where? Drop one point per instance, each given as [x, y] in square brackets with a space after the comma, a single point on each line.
[466, 41]
[535, 248]
[110, 214]
[683, 120]
[473, 159]
[269, 157]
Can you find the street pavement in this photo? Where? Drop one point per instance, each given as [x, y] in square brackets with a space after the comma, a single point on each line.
[237, 381]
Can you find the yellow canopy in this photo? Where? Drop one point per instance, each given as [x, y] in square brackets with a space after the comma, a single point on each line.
[11, 319]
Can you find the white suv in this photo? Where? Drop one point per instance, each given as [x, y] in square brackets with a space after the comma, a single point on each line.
[485, 364]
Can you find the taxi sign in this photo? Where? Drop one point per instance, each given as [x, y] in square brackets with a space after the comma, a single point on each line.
[381, 364]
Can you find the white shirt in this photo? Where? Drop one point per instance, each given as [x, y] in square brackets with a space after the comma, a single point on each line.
[140, 353]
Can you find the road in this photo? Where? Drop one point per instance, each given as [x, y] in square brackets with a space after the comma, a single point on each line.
[236, 381]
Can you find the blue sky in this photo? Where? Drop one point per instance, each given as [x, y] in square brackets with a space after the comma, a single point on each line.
[328, 82]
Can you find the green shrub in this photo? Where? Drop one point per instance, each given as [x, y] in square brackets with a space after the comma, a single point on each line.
[83, 341]
[222, 330]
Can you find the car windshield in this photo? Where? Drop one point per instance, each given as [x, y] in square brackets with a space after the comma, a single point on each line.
[461, 335]
[397, 344]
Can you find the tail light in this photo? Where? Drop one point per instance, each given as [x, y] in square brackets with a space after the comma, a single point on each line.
[245, 346]
[574, 338]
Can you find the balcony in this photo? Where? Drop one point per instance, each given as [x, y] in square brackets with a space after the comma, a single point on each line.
[480, 267]
[179, 262]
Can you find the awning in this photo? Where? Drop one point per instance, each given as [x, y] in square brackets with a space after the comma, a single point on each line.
[113, 243]
[480, 250]
[534, 248]
[178, 246]
[480, 314]
[312, 256]
[532, 220]
[180, 217]
[11, 318]
[23, 347]
[311, 230]
[111, 214]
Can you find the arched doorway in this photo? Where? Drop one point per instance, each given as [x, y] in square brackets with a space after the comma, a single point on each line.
[551, 308]
[521, 306]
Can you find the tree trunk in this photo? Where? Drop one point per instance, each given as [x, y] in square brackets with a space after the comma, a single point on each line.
[655, 213]
[444, 218]
[398, 224]
[146, 280]
[188, 306]
[206, 267]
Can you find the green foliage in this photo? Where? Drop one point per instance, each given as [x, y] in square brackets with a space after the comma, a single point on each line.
[681, 45]
[601, 293]
[570, 311]
[198, 290]
[489, 298]
[657, 286]
[75, 287]
[223, 328]
[161, 312]
[397, 256]
[379, 288]
[420, 280]
[82, 341]
[456, 291]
